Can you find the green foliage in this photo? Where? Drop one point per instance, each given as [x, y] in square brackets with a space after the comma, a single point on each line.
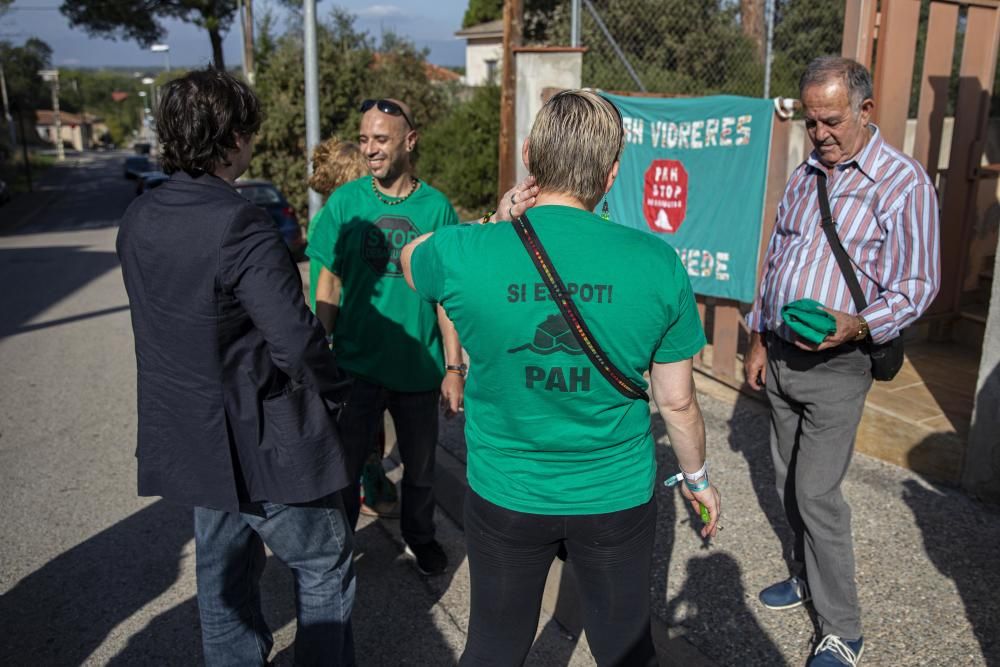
[481, 11]
[89, 91]
[690, 48]
[348, 73]
[803, 30]
[142, 21]
[460, 152]
[25, 89]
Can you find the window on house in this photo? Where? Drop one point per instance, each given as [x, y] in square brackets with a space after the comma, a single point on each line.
[491, 71]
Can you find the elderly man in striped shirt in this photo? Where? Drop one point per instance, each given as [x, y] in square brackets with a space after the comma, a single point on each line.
[886, 212]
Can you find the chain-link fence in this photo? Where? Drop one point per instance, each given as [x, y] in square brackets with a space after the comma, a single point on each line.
[693, 47]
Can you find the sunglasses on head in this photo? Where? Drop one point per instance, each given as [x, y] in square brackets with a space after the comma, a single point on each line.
[387, 106]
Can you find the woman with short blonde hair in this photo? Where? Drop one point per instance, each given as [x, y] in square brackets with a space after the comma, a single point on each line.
[560, 451]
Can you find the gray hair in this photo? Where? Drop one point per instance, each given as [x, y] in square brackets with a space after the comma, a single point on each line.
[852, 74]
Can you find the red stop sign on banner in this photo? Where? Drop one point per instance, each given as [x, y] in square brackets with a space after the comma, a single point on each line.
[664, 197]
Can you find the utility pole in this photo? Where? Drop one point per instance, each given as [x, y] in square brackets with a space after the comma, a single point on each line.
[312, 97]
[246, 17]
[512, 17]
[574, 23]
[86, 129]
[24, 148]
[52, 76]
[6, 109]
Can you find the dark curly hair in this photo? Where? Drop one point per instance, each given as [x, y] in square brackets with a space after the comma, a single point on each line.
[199, 116]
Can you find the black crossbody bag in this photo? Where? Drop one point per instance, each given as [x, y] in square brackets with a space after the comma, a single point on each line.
[620, 381]
[887, 358]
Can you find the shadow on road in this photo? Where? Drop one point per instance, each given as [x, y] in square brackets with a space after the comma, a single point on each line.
[713, 603]
[61, 613]
[88, 192]
[959, 541]
[38, 278]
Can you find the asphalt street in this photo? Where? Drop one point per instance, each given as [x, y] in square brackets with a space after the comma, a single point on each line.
[91, 574]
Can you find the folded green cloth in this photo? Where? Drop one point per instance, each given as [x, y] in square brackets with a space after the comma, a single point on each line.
[807, 319]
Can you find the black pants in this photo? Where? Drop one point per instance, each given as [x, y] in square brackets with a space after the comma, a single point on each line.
[509, 557]
[415, 415]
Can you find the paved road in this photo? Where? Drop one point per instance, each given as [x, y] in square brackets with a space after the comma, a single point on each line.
[91, 574]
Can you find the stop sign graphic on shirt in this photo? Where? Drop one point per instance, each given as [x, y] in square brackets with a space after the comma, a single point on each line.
[664, 197]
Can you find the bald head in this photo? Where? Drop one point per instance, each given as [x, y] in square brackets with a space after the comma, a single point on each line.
[387, 138]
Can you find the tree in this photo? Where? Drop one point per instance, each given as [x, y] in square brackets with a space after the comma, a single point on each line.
[25, 88]
[481, 11]
[468, 176]
[351, 69]
[141, 21]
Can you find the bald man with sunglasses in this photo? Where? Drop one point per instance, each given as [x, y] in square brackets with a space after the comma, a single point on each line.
[403, 352]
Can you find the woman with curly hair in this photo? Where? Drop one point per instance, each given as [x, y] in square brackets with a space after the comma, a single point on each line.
[334, 162]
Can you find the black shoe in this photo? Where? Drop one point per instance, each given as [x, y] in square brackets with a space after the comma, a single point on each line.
[430, 557]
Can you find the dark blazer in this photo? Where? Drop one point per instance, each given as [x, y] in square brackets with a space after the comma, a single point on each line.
[236, 385]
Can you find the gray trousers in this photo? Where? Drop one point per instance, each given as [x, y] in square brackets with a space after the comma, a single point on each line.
[817, 399]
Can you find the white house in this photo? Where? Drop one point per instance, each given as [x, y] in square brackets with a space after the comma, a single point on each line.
[483, 52]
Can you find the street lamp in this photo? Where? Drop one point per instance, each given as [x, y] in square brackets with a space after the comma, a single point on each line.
[150, 81]
[142, 114]
[52, 76]
[165, 50]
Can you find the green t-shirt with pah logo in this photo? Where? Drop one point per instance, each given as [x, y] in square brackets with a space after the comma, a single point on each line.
[384, 332]
[546, 433]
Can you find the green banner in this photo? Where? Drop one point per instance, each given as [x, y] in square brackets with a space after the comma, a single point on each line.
[693, 172]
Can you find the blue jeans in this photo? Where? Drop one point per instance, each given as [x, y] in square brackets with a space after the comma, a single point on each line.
[415, 415]
[313, 539]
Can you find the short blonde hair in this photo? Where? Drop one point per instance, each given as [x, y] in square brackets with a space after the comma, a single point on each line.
[574, 143]
[336, 162]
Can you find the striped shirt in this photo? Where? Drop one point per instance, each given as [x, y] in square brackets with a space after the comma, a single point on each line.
[886, 211]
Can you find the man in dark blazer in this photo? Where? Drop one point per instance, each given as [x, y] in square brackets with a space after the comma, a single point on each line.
[237, 388]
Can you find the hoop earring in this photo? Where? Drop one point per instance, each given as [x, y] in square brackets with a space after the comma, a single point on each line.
[605, 215]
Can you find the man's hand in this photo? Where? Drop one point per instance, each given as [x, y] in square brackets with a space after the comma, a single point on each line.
[516, 201]
[452, 394]
[847, 330]
[755, 362]
[712, 501]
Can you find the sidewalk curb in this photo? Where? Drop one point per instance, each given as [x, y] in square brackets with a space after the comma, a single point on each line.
[560, 600]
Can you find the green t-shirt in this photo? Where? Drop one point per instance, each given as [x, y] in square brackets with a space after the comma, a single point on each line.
[384, 332]
[546, 433]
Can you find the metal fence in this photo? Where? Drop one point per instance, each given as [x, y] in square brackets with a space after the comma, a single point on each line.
[692, 47]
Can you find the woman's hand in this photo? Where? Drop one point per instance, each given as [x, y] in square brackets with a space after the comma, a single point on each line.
[713, 503]
[516, 201]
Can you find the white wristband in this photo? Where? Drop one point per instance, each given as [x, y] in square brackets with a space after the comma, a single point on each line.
[696, 475]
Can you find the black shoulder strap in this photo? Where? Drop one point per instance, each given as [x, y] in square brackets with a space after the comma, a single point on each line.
[843, 261]
[620, 381]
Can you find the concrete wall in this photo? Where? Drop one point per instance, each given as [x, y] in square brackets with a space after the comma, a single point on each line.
[477, 53]
[981, 472]
[537, 71]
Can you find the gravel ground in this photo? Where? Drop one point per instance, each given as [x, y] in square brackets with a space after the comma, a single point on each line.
[926, 556]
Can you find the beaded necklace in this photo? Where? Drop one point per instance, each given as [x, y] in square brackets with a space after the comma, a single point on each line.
[413, 188]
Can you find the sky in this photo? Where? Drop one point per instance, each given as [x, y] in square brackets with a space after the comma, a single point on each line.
[429, 24]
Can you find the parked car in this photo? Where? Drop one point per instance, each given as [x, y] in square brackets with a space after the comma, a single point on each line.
[142, 148]
[269, 198]
[4, 193]
[150, 179]
[137, 164]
